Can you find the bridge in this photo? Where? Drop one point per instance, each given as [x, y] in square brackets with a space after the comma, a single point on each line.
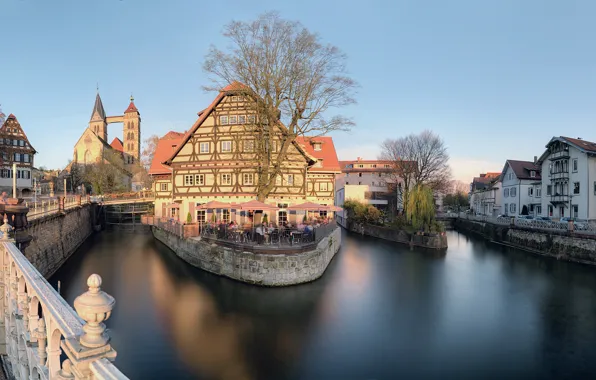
[39, 325]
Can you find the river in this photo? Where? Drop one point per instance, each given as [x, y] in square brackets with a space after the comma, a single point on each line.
[380, 311]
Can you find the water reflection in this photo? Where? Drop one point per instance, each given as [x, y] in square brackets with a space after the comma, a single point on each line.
[381, 311]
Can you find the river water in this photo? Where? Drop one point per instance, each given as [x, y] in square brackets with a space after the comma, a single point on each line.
[380, 311]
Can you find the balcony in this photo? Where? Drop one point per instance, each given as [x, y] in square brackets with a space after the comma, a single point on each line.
[554, 199]
[558, 155]
[559, 176]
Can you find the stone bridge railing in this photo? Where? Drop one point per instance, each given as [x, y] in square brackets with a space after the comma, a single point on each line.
[37, 325]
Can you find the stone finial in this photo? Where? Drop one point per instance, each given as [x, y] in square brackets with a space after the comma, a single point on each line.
[5, 229]
[94, 306]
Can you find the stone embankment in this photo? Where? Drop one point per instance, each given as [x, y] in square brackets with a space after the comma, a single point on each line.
[434, 241]
[56, 236]
[266, 269]
[561, 245]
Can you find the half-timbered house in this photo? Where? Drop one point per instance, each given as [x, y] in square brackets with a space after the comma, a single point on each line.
[217, 159]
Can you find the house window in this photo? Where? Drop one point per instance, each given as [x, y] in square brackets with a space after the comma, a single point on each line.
[21, 142]
[226, 179]
[532, 173]
[513, 192]
[15, 142]
[223, 120]
[538, 210]
[251, 119]
[323, 186]
[512, 208]
[278, 180]
[26, 157]
[594, 187]
[550, 210]
[248, 179]
[241, 119]
[575, 187]
[188, 180]
[317, 146]
[163, 187]
[575, 164]
[204, 147]
[234, 119]
[17, 157]
[225, 216]
[549, 189]
[506, 193]
[575, 211]
[386, 166]
[360, 166]
[506, 208]
[538, 192]
[249, 145]
[226, 146]
[530, 191]
[199, 179]
[274, 146]
[374, 165]
[282, 217]
[359, 174]
[201, 216]
[234, 98]
[290, 179]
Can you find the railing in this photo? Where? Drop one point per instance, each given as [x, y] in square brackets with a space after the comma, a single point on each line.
[249, 236]
[559, 154]
[122, 197]
[53, 206]
[39, 324]
[577, 227]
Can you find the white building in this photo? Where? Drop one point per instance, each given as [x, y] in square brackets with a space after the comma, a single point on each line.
[15, 149]
[569, 178]
[484, 194]
[521, 193]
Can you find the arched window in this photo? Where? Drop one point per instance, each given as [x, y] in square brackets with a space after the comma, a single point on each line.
[132, 136]
[87, 157]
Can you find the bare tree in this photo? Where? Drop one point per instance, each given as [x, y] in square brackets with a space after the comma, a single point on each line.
[149, 147]
[106, 175]
[418, 159]
[292, 79]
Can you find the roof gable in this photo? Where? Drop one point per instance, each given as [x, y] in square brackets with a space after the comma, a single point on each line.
[235, 87]
[523, 169]
[165, 146]
[116, 144]
[12, 123]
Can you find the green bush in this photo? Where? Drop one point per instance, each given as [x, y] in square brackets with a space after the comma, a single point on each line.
[188, 218]
[265, 218]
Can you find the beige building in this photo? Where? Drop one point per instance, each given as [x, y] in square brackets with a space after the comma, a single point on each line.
[15, 148]
[93, 145]
[216, 160]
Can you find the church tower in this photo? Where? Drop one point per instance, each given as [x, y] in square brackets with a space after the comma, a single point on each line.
[132, 134]
[98, 124]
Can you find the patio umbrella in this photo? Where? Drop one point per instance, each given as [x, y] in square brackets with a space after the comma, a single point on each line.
[255, 205]
[214, 204]
[309, 206]
[335, 208]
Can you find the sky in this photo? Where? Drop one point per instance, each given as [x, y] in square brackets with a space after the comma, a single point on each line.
[495, 79]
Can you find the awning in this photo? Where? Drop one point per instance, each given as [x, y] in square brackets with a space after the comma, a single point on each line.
[309, 206]
[214, 204]
[255, 205]
[173, 205]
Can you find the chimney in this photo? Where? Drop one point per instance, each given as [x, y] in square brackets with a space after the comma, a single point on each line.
[359, 159]
[579, 138]
[535, 159]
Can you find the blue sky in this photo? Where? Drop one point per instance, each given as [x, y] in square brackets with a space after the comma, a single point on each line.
[496, 79]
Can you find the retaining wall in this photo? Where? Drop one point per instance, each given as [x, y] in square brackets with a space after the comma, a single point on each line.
[560, 245]
[400, 236]
[267, 269]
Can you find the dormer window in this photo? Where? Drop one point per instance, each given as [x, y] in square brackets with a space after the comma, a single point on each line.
[532, 174]
[317, 146]
[318, 164]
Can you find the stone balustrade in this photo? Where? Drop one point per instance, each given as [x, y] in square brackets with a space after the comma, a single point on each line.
[37, 325]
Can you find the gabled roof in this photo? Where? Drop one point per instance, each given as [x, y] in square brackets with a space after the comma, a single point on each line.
[99, 108]
[116, 144]
[231, 88]
[522, 169]
[583, 145]
[485, 180]
[165, 146]
[326, 155]
[13, 119]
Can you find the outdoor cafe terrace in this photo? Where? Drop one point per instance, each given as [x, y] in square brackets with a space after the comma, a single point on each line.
[251, 230]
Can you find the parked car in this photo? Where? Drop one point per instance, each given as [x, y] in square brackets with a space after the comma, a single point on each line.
[543, 218]
[530, 217]
[577, 224]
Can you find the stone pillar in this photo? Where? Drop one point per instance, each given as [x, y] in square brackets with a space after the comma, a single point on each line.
[79, 200]
[94, 306]
[61, 204]
[15, 214]
[52, 188]
[41, 336]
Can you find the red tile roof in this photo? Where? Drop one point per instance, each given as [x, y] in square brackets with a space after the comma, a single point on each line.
[131, 108]
[326, 155]
[234, 86]
[522, 169]
[11, 116]
[588, 146]
[165, 147]
[116, 144]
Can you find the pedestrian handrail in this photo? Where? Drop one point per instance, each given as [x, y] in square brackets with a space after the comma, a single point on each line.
[46, 207]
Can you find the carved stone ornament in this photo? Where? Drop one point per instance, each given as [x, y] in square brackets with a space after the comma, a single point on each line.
[94, 306]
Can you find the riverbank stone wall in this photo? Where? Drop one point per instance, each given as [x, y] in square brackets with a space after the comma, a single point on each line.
[559, 245]
[55, 237]
[277, 269]
[438, 241]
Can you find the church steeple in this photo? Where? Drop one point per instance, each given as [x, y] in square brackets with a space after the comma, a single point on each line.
[98, 112]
